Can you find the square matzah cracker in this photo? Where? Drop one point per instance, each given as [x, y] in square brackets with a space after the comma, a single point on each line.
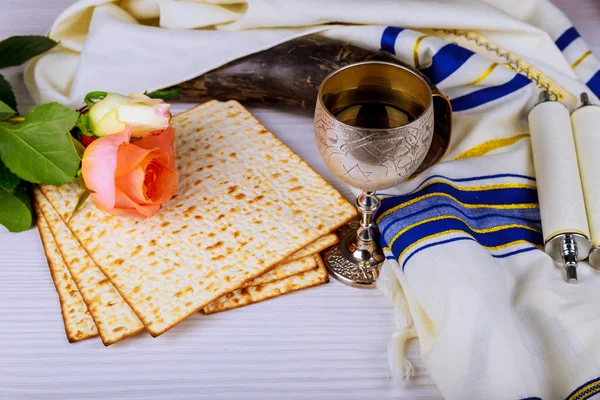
[283, 271]
[78, 322]
[113, 317]
[315, 247]
[255, 294]
[245, 202]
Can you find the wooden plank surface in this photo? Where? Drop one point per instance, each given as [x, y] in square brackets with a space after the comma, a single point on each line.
[324, 343]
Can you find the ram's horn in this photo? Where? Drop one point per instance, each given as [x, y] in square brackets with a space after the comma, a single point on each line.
[290, 74]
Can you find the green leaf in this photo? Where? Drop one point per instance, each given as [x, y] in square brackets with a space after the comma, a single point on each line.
[83, 196]
[83, 125]
[40, 149]
[79, 149]
[8, 180]
[6, 94]
[23, 193]
[79, 180]
[165, 94]
[5, 111]
[15, 209]
[17, 49]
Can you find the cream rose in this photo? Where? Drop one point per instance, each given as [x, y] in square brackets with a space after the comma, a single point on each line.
[115, 111]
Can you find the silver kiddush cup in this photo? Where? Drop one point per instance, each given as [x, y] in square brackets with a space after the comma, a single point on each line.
[374, 126]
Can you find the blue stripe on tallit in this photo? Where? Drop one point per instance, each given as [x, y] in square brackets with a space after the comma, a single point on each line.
[480, 218]
[388, 39]
[483, 96]
[594, 84]
[512, 253]
[446, 61]
[499, 208]
[585, 391]
[491, 196]
[568, 37]
[489, 239]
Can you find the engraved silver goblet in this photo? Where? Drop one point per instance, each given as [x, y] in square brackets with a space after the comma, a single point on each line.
[374, 125]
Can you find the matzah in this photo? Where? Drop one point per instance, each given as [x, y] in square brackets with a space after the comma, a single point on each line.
[78, 322]
[255, 294]
[315, 247]
[298, 262]
[283, 271]
[245, 203]
[113, 317]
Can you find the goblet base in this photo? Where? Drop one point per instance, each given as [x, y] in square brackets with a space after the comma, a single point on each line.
[349, 263]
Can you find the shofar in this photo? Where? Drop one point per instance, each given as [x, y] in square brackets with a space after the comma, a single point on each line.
[290, 74]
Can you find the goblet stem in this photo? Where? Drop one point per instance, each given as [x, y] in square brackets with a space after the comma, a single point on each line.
[367, 203]
[365, 245]
[356, 260]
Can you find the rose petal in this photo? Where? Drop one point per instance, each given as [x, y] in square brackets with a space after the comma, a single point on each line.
[136, 185]
[126, 207]
[109, 124]
[145, 118]
[103, 107]
[130, 157]
[102, 206]
[99, 165]
[164, 186]
[132, 184]
[142, 98]
[164, 140]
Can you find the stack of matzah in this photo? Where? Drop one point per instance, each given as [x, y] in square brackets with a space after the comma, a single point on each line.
[247, 224]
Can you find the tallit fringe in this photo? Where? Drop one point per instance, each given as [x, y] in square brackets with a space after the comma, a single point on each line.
[401, 367]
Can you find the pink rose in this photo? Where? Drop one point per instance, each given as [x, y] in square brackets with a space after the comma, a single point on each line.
[131, 179]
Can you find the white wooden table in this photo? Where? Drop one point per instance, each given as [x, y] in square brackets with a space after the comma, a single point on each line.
[328, 342]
